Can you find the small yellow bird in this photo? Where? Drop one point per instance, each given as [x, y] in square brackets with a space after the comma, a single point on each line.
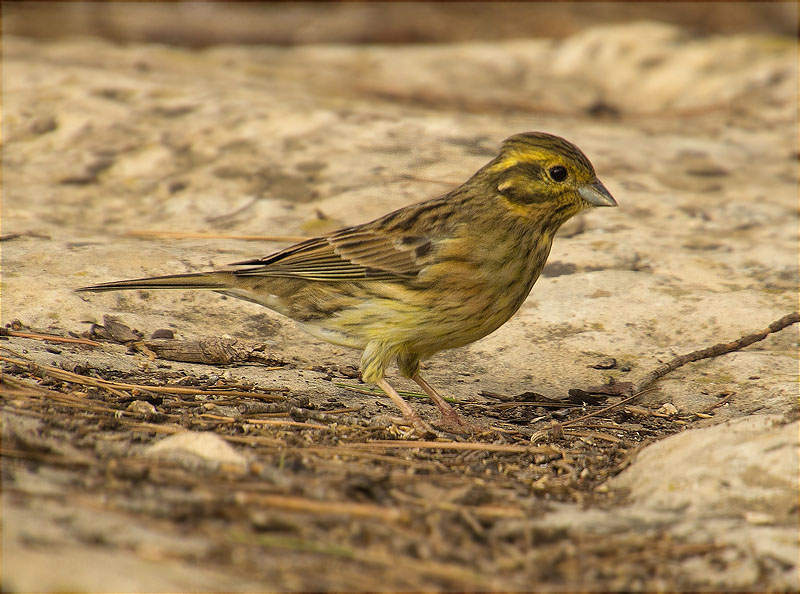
[430, 276]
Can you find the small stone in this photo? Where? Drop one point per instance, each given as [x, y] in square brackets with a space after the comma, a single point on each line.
[119, 331]
[162, 333]
[350, 371]
[176, 186]
[759, 518]
[42, 125]
[668, 409]
[194, 449]
[606, 363]
[142, 407]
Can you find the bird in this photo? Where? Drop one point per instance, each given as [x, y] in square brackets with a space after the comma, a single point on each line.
[434, 275]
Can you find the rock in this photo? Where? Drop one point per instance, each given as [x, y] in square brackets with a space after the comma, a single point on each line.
[606, 363]
[142, 407]
[668, 409]
[197, 449]
[734, 484]
[119, 331]
[162, 334]
[738, 467]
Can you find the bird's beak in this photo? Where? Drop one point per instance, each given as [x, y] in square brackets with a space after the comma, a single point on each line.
[596, 194]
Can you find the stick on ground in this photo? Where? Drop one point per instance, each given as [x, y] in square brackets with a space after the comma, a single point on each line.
[715, 351]
[645, 384]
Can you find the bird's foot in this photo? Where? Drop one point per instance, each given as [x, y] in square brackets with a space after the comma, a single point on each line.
[417, 426]
[452, 422]
[421, 428]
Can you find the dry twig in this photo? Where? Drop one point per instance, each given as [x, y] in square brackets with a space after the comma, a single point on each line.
[721, 348]
[48, 337]
[42, 371]
[445, 445]
[716, 350]
[301, 504]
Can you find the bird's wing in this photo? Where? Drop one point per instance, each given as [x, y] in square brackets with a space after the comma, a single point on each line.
[350, 254]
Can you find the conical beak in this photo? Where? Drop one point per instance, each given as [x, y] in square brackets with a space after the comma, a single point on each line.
[596, 194]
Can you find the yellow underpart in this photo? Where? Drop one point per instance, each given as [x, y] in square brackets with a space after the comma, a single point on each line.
[381, 320]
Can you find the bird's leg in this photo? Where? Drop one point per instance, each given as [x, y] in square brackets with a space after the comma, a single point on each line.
[451, 420]
[409, 413]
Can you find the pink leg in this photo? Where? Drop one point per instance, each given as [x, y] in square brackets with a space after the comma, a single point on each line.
[421, 426]
[451, 420]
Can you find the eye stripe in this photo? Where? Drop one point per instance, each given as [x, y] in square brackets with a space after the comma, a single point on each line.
[522, 162]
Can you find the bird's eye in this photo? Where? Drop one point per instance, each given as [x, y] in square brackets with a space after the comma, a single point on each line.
[557, 173]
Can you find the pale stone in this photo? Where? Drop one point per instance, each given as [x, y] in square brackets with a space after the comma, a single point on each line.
[202, 445]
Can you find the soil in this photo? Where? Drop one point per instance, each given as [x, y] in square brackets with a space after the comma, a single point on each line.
[330, 495]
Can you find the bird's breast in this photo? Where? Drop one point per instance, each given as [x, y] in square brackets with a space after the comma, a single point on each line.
[471, 293]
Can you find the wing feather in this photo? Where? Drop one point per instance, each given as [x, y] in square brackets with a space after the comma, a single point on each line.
[350, 254]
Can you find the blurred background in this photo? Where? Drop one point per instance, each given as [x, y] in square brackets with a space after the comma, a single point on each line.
[201, 24]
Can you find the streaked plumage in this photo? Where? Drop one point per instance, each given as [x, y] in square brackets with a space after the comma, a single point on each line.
[431, 276]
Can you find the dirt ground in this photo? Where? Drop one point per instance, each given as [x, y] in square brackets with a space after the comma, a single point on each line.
[189, 442]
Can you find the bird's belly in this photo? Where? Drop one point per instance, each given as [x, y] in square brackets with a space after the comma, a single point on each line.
[466, 323]
[339, 336]
[443, 316]
[424, 326]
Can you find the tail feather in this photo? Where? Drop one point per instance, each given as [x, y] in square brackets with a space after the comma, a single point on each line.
[198, 280]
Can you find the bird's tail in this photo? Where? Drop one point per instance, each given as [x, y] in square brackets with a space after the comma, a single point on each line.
[199, 280]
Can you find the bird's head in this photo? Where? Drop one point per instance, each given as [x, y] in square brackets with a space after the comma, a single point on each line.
[542, 176]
